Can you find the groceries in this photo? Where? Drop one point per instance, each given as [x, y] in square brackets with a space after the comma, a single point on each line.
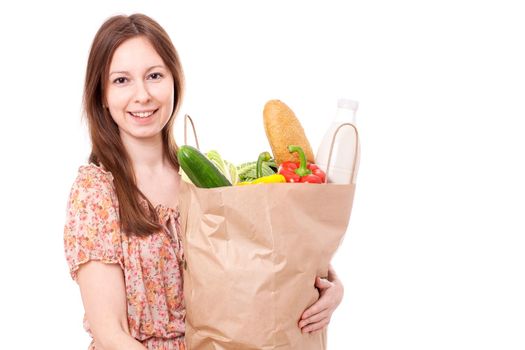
[301, 171]
[259, 176]
[247, 171]
[199, 169]
[345, 153]
[226, 168]
[270, 179]
[292, 159]
[283, 129]
[266, 239]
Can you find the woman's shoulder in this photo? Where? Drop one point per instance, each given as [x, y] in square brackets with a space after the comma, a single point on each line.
[93, 169]
[93, 177]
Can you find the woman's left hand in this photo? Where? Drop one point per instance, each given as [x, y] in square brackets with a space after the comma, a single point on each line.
[318, 315]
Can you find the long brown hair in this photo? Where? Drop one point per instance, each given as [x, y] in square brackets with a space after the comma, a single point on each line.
[107, 148]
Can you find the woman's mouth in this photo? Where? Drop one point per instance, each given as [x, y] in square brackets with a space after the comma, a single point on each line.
[142, 115]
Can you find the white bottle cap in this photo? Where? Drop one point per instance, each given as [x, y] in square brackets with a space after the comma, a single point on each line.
[347, 104]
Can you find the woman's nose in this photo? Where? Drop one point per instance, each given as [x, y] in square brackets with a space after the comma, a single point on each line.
[142, 94]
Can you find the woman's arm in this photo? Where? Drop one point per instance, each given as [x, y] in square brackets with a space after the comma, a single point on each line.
[104, 297]
[331, 293]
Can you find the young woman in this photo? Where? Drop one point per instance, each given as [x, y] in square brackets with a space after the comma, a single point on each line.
[122, 235]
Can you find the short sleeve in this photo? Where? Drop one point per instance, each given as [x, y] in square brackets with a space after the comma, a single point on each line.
[92, 228]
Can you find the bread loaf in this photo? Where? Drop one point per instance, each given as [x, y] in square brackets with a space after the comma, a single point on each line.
[283, 129]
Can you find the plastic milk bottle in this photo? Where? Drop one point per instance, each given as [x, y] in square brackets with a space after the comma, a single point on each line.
[345, 146]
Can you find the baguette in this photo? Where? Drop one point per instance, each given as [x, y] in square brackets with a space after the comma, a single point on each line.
[283, 129]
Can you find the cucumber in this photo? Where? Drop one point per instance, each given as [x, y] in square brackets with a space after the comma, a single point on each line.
[200, 169]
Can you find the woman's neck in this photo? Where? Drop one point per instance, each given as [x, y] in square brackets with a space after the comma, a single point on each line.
[146, 155]
[155, 177]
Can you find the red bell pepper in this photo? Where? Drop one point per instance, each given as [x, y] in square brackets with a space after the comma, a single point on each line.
[301, 171]
[317, 171]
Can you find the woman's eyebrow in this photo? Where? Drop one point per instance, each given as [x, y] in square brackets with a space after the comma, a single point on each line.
[156, 66]
[147, 70]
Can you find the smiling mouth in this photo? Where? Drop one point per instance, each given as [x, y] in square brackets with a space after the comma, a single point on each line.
[142, 115]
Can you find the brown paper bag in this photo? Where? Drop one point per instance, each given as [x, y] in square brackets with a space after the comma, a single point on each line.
[251, 257]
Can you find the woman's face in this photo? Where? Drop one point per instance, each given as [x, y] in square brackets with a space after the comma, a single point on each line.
[140, 92]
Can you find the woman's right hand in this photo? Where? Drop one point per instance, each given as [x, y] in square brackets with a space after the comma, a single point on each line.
[103, 294]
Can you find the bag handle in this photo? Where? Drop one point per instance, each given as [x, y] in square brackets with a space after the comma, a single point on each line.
[186, 118]
[332, 148]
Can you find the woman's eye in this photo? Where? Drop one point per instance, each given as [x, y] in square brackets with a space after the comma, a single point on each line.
[120, 80]
[155, 76]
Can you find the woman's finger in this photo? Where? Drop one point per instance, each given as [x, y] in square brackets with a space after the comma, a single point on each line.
[315, 318]
[322, 283]
[322, 303]
[316, 308]
[316, 326]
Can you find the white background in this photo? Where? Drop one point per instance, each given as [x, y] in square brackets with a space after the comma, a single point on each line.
[434, 255]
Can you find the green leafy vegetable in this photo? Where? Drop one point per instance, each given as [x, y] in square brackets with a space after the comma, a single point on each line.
[226, 168]
[248, 171]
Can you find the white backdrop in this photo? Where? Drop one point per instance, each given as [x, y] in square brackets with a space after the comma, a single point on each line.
[434, 255]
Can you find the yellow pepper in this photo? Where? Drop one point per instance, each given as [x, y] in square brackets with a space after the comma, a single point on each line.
[270, 179]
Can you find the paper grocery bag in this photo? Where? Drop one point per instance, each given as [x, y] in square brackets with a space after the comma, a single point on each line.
[251, 257]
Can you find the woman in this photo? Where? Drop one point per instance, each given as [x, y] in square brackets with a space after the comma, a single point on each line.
[122, 235]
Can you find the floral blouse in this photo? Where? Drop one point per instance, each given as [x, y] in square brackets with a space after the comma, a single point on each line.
[151, 265]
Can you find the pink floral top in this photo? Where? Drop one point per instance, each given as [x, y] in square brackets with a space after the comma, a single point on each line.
[151, 265]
